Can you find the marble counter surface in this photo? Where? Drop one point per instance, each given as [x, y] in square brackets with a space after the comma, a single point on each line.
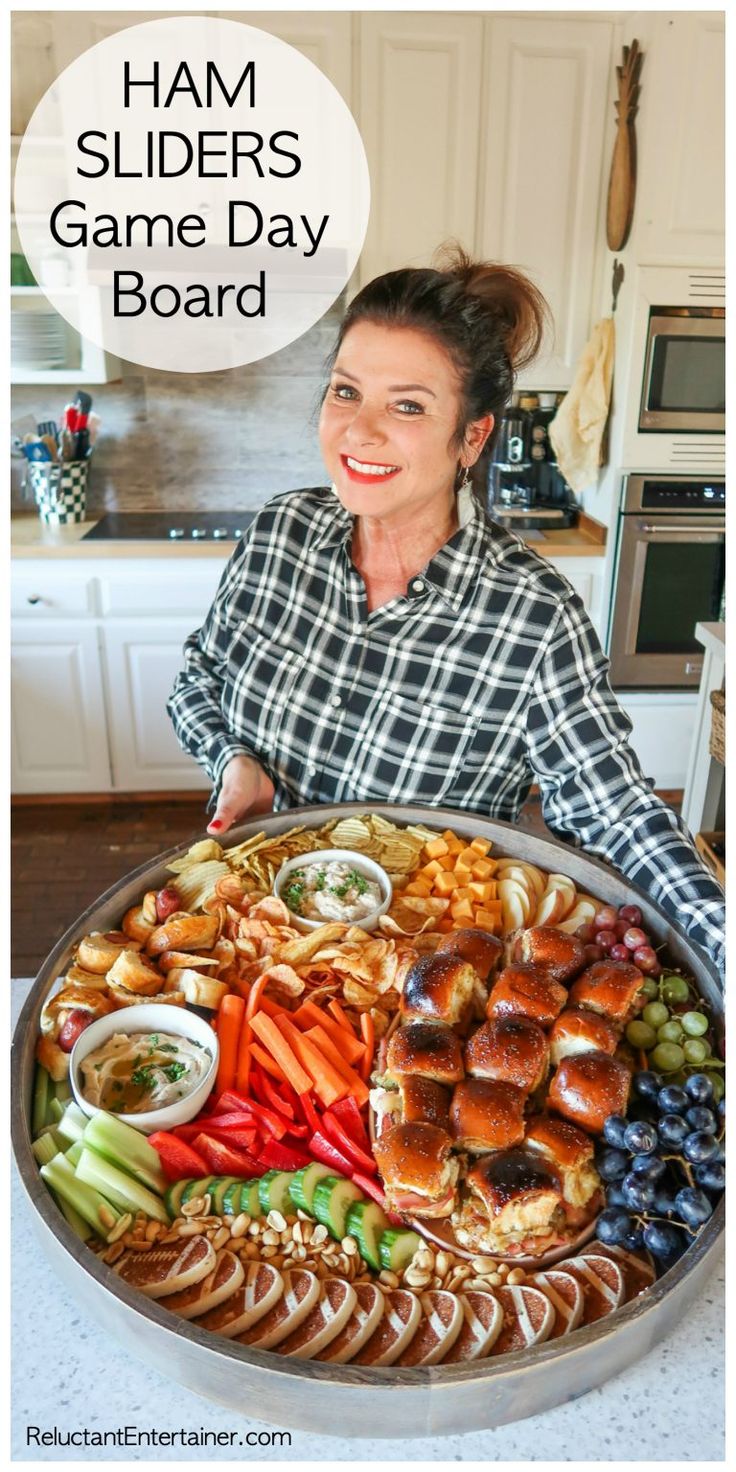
[666, 1407]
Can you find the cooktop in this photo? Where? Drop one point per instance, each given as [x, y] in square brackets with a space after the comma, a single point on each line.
[170, 526]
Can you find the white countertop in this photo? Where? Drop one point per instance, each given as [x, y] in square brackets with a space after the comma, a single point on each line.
[30, 538]
[66, 1375]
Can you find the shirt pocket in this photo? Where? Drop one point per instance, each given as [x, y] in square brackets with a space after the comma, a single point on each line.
[261, 701]
[416, 752]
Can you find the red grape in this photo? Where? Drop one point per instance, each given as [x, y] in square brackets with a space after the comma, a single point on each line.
[605, 918]
[167, 903]
[631, 913]
[606, 938]
[646, 959]
[585, 933]
[594, 953]
[635, 938]
[619, 953]
[621, 928]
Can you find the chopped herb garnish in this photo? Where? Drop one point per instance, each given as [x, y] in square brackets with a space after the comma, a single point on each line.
[321, 880]
[153, 1040]
[174, 1071]
[168, 1048]
[142, 1077]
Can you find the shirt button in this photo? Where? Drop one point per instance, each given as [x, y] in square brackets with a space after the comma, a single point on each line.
[311, 770]
[336, 700]
[418, 585]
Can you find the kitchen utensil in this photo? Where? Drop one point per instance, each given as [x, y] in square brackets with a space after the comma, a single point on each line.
[83, 402]
[49, 441]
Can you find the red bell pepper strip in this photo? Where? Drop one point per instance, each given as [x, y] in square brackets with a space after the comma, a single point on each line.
[277, 1156]
[178, 1160]
[273, 1097]
[235, 1104]
[239, 1139]
[323, 1149]
[310, 1113]
[348, 1147]
[371, 1187]
[351, 1119]
[223, 1160]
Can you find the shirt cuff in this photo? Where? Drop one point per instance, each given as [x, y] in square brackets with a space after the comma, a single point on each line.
[219, 751]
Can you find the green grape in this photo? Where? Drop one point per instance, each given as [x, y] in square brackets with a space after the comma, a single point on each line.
[655, 1013]
[650, 988]
[695, 1050]
[667, 1057]
[640, 1035]
[670, 1032]
[694, 1023]
[719, 1086]
[674, 989]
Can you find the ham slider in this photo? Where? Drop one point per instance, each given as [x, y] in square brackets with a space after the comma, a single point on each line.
[418, 1170]
[481, 950]
[579, 1031]
[589, 1087]
[570, 1152]
[526, 991]
[428, 1049]
[514, 1205]
[612, 988]
[486, 1115]
[512, 1050]
[561, 955]
[442, 988]
[424, 1102]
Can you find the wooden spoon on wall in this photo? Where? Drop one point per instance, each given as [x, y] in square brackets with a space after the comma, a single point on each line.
[622, 182]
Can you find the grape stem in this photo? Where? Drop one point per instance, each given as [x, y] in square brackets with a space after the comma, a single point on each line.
[693, 1231]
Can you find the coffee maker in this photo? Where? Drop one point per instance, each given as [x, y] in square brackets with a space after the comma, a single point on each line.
[526, 491]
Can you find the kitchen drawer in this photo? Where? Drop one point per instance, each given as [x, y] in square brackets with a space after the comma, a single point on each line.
[152, 586]
[39, 591]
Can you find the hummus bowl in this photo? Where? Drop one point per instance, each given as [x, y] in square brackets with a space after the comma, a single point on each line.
[149, 1018]
[309, 1395]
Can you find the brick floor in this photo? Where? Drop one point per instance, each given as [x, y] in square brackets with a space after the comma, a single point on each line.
[65, 854]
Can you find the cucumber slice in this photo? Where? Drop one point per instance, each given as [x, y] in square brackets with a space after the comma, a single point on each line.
[218, 1190]
[302, 1187]
[397, 1247]
[273, 1191]
[367, 1222]
[173, 1197]
[122, 1190]
[231, 1199]
[127, 1148]
[198, 1187]
[333, 1198]
[41, 1085]
[250, 1198]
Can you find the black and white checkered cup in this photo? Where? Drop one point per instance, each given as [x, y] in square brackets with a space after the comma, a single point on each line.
[60, 490]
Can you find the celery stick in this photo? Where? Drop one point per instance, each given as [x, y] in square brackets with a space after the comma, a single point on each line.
[127, 1148]
[91, 1206]
[40, 1100]
[55, 1110]
[45, 1147]
[74, 1152]
[125, 1192]
[63, 1090]
[76, 1222]
[73, 1123]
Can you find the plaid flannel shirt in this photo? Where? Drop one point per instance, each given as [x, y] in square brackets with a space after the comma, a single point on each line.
[485, 677]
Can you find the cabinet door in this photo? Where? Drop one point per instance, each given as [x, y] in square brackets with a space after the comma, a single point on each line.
[681, 191]
[544, 110]
[419, 117]
[585, 575]
[141, 660]
[58, 735]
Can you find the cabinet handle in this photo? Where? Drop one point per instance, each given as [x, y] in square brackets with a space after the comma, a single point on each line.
[34, 598]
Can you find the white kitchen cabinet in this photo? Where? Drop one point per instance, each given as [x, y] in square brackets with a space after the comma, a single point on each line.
[585, 574]
[682, 137]
[58, 723]
[142, 658]
[419, 113]
[664, 728]
[544, 112]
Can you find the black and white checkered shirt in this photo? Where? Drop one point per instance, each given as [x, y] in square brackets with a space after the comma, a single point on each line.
[485, 677]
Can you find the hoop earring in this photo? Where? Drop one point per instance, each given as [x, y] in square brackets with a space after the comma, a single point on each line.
[466, 482]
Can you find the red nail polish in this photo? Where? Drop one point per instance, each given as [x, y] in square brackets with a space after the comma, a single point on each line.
[215, 823]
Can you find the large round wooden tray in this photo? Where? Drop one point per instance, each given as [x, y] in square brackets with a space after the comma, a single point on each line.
[317, 1397]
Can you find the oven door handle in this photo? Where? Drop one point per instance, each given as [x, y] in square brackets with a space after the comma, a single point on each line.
[679, 531]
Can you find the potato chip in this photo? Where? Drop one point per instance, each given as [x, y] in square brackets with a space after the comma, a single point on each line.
[199, 853]
[197, 882]
[307, 946]
[283, 980]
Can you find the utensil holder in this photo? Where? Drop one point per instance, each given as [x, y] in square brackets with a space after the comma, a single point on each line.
[60, 490]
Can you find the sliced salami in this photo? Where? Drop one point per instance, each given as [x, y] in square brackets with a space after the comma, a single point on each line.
[602, 1282]
[441, 1323]
[565, 1294]
[219, 1285]
[364, 1319]
[301, 1291]
[482, 1324]
[262, 1288]
[637, 1267]
[528, 1318]
[167, 1269]
[402, 1315]
[330, 1314]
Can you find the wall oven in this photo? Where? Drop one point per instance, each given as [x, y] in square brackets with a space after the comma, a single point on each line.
[684, 387]
[669, 576]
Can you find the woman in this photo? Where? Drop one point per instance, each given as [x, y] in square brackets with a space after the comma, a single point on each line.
[383, 641]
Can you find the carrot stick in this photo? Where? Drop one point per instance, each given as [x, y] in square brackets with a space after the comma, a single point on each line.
[340, 1016]
[230, 1018]
[265, 1061]
[327, 1083]
[327, 1047]
[277, 1045]
[310, 1015]
[254, 997]
[369, 1038]
[242, 1066]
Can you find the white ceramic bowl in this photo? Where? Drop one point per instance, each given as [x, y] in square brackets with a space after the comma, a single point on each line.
[357, 861]
[148, 1017]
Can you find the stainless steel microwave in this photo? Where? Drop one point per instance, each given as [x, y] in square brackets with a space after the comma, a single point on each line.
[684, 386]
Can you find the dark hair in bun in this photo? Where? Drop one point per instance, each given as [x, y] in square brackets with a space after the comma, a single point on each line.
[489, 319]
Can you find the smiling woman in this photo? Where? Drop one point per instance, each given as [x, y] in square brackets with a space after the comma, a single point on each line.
[381, 639]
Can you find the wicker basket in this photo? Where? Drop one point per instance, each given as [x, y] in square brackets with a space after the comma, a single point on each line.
[718, 726]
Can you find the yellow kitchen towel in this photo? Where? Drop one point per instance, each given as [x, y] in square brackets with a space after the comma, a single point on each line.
[577, 429]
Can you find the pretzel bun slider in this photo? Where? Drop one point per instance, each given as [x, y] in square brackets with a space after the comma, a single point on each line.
[512, 1050]
[424, 1102]
[486, 1115]
[419, 1173]
[577, 1030]
[589, 1087]
[612, 988]
[561, 955]
[570, 1152]
[526, 991]
[429, 1049]
[514, 1204]
[482, 950]
[440, 987]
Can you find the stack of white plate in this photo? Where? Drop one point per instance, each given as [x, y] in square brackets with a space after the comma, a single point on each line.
[38, 340]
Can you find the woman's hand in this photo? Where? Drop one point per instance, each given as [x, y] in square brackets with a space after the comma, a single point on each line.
[245, 789]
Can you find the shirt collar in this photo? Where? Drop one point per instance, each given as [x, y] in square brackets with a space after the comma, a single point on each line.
[452, 569]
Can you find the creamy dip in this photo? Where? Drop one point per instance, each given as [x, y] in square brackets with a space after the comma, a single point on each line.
[134, 1072]
[331, 891]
